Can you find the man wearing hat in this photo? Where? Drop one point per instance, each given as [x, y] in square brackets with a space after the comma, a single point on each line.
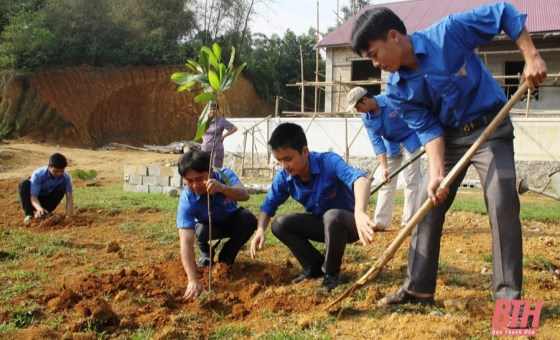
[393, 141]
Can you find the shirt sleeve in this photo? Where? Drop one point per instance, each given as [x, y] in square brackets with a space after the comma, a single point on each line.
[420, 119]
[347, 174]
[277, 195]
[226, 124]
[374, 137]
[185, 213]
[35, 184]
[479, 26]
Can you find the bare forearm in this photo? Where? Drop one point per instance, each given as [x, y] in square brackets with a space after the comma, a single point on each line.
[187, 254]
[264, 221]
[436, 155]
[69, 204]
[35, 202]
[382, 159]
[361, 194]
[236, 193]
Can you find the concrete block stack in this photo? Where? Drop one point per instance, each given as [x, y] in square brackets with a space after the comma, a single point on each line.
[153, 179]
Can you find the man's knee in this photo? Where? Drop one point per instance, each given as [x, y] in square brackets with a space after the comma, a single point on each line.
[333, 219]
[280, 225]
[249, 220]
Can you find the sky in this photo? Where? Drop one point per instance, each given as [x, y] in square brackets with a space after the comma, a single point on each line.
[276, 16]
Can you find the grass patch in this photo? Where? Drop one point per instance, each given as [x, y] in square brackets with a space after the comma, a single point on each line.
[539, 263]
[85, 175]
[113, 197]
[227, 332]
[487, 258]
[142, 334]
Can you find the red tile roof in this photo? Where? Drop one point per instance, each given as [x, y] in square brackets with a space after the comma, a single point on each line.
[543, 15]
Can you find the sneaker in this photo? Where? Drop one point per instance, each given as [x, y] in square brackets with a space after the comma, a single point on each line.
[203, 261]
[27, 219]
[331, 281]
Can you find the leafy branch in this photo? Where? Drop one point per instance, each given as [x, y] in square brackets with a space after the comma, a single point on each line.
[212, 78]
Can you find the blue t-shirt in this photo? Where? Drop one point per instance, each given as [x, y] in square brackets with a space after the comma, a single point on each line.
[193, 208]
[387, 131]
[453, 86]
[330, 186]
[42, 182]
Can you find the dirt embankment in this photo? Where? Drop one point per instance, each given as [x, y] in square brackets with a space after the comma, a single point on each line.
[90, 107]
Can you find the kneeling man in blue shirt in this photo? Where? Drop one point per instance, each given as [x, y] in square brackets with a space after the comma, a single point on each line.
[228, 220]
[335, 197]
[41, 194]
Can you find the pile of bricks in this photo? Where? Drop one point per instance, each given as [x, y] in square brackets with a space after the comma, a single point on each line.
[154, 179]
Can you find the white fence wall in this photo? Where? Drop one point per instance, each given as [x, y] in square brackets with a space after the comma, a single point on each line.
[537, 139]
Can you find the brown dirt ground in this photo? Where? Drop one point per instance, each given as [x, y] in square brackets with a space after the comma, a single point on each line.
[120, 283]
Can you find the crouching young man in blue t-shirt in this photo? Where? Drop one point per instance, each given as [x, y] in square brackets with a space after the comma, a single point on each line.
[228, 221]
[335, 197]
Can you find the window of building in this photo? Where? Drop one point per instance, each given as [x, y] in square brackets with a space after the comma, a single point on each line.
[364, 70]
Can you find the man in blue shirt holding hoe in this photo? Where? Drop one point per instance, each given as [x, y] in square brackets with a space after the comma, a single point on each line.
[443, 90]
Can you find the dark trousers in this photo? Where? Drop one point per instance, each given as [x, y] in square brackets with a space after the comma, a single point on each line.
[238, 228]
[335, 228]
[49, 201]
[496, 168]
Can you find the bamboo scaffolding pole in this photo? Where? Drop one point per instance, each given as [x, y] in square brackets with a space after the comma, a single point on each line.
[388, 254]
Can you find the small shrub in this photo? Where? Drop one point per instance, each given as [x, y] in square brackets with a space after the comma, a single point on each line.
[85, 175]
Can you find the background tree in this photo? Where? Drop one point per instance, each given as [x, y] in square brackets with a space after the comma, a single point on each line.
[275, 62]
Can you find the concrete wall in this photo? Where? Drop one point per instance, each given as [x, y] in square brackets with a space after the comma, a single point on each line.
[153, 179]
[536, 138]
[537, 146]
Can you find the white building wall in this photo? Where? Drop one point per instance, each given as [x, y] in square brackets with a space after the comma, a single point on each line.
[536, 139]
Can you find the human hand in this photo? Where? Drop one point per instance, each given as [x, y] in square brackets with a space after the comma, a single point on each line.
[436, 193]
[535, 71]
[257, 242]
[365, 227]
[386, 174]
[213, 186]
[41, 212]
[194, 288]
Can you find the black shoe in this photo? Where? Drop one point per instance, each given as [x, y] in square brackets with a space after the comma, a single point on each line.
[310, 274]
[331, 281]
[402, 296]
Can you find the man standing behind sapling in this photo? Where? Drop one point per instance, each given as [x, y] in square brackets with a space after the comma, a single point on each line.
[41, 194]
[443, 90]
[327, 187]
[228, 220]
[392, 141]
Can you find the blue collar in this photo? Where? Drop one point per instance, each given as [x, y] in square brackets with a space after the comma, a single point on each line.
[313, 166]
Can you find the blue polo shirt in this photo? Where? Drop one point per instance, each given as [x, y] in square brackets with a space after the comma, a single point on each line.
[453, 86]
[330, 186]
[387, 131]
[193, 208]
[43, 183]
